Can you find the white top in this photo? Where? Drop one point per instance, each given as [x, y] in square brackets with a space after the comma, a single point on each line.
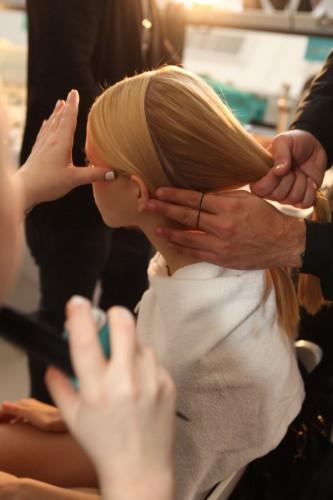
[233, 365]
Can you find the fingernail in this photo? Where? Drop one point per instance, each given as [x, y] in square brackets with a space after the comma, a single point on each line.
[77, 300]
[279, 166]
[151, 205]
[72, 96]
[160, 193]
[110, 176]
[121, 311]
[313, 184]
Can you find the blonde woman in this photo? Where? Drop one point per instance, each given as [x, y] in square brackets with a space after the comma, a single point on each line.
[225, 336]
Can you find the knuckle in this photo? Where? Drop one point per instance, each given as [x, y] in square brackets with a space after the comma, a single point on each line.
[294, 198]
[186, 217]
[227, 228]
[126, 391]
[194, 199]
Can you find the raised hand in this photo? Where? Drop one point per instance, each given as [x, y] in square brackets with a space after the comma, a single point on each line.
[49, 173]
[123, 414]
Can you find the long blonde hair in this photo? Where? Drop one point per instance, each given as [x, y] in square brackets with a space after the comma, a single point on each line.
[169, 127]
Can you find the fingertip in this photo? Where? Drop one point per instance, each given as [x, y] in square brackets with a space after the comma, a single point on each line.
[151, 205]
[312, 183]
[119, 313]
[160, 231]
[73, 97]
[77, 302]
[280, 167]
[161, 193]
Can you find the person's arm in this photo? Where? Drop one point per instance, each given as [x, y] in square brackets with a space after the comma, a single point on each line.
[242, 231]
[33, 412]
[26, 489]
[315, 112]
[124, 412]
[237, 229]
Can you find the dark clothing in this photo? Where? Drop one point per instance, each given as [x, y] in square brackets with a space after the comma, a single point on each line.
[318, 258]
[315, 115]
[87, 45]
[315, 112]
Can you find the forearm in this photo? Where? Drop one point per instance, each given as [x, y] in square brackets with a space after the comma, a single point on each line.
[40, 491]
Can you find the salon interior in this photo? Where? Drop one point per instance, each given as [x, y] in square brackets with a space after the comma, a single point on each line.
[260, 56]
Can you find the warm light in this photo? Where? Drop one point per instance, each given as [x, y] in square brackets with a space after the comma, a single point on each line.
[147, 24]
[235, 5]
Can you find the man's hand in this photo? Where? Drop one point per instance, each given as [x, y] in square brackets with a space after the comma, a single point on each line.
[300, 163]
[237, 229]
[49, 173]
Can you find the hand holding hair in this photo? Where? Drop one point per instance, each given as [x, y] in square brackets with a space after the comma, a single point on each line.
[237, 229]
[300, 163]
[49, 173]
[123, 414]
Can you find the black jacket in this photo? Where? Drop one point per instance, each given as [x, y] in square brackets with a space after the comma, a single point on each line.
[315, 114]
[86, 45]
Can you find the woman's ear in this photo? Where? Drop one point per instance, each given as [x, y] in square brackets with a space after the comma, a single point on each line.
[142, 192]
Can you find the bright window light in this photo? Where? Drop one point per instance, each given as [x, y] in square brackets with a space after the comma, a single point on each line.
[234, 5]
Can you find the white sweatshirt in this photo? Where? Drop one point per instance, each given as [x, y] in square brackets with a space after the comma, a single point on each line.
[233, 365]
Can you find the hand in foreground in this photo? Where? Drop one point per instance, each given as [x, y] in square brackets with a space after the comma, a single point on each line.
[124, 412]
[300, 163]
[49, 173]
[237, 229]
[30, 411]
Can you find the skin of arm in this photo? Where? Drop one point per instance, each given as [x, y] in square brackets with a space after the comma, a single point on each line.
[33, 412]
[12, 487]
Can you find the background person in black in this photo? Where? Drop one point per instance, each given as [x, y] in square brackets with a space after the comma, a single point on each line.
[83, 44]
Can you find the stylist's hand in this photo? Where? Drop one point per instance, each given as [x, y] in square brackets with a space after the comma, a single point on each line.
[49, 173]
[300, 163]
[123, 415]
[237, 229]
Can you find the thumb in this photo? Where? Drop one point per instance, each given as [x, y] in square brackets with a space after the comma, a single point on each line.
[281, 150]
[88, 175]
